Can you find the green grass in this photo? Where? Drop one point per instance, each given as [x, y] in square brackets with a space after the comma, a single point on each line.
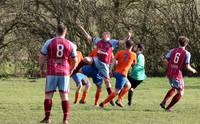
[21, 102]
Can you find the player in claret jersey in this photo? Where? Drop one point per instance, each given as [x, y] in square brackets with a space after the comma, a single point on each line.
[105, 46]
[125, 58]
[175, 60]
[80, 80]
[57, 51]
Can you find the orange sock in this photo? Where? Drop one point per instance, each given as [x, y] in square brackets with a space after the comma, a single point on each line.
[109, 98]
[76, 96]
[97, 96]
[123, 92]
[84, 95]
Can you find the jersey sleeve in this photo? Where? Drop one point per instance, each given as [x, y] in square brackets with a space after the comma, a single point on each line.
[114, 42]
[188, 57]
[74, 50]
[168, 55]
[44, 49]
[95, 40]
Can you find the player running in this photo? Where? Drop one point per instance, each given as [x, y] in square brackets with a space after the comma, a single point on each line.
[58, 51]
[125, 58]
[137, 73]
[81, 80]
[105, 46]
[175, 60]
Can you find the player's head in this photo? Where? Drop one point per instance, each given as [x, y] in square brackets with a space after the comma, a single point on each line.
[139, 47]
[183, 41]
[129, 44]
[106, 36]
[61, 30]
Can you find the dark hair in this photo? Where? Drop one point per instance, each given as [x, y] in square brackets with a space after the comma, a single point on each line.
[61, 28]
[140, 46]
[183, 41]
[129, 44]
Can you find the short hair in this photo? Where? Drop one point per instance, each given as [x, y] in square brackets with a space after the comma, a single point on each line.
[140, 46]
[61, 28]
[129, 44]
[183, 41]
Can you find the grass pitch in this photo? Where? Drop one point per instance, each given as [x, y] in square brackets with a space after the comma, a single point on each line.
[21, 102]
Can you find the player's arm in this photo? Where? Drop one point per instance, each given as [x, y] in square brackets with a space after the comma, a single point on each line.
[74, 59]
[73, 64]
[167, 58]
[42, 61]
[84, 32]
[166, 62]
[43, 56]
[189, 68]
[187, 62]
[128, 37]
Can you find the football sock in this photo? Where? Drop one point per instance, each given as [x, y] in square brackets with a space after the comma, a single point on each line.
[97, 96]
[76, 96]
[123, 92]
[130, 95]
[109, 98]
[47, 108]
[109, 90]
[169, 94]
[175, 99]
[84, 95]
[65, 107]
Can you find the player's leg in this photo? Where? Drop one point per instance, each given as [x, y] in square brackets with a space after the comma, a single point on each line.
[109, 98]
[120, 82]
[97, 95]
[65, 106]
[134, 84]
[86, 82]
[170, 93]
[92, 71]
[123, 92]
[77, 78]
[167, 96]
[63, 86]
[50, 88]
[77, 94]
[175, 99]
[179, 85]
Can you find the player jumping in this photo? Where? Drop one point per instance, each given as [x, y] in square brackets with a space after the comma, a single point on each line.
[105, 46]
[125, 58]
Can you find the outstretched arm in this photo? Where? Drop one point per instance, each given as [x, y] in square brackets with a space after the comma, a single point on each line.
[128, 37]
[84, 32]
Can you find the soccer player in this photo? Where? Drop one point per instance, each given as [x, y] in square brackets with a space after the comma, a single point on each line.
[80, 80]
[91, 71]
[137, 73]
[57, 51]
[175, 60]
[105, 46]
[125, 58]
